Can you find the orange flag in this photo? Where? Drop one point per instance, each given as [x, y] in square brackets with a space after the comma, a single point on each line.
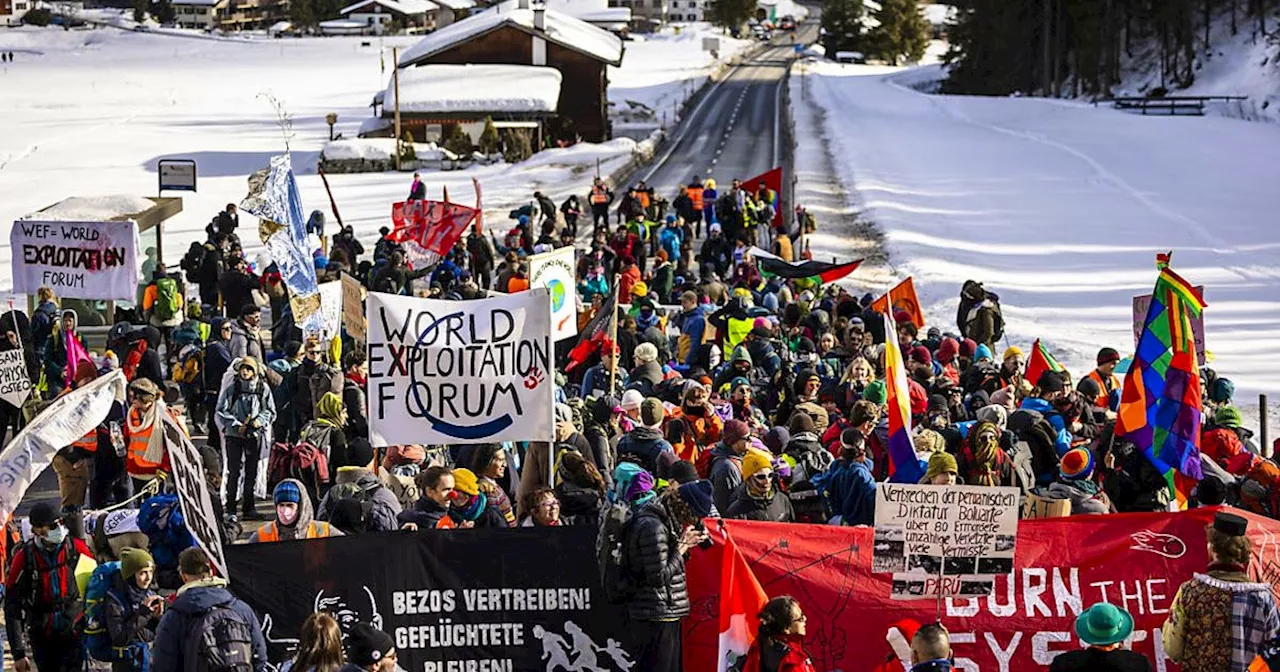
[903, 299]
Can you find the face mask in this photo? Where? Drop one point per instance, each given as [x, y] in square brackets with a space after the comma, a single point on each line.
[56, 536]
[286, 514]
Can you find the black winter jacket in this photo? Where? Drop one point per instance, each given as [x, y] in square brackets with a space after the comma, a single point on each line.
[647, 445]
[776, 510]
[652, 561]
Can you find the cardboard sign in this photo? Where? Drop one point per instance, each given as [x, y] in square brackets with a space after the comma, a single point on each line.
[331, 309]
[79, 260]
[1142, 303]
[353, 307]
[944, 540]
[555, 271]
[1041, 507]
[15, 384]
[193, 493]
[449, 372]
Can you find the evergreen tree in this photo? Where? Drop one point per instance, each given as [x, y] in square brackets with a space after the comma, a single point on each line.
[903, 32]
[163, 12]
[457, 141]
[731, 14]
[489, 141]
[140, 10]
[841, 26]
[302, 13]
[517, 146]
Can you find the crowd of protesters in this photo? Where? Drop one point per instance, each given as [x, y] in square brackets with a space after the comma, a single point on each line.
[725, 393]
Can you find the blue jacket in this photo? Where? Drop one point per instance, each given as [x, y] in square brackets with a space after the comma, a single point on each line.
[597, 378]
[851, 492]
[590, 286]
[1062, 442]
[193, 600]
[670, 239]
[709, 197]
[692, 324]
[646, 444]
[237, 406]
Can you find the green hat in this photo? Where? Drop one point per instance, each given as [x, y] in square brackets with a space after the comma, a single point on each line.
[875, 393]
[134, 560]
[1104, 624]
[1227, 416]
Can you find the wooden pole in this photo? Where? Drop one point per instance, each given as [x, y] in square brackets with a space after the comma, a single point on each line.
[395, 79]
[1265, 445]
[613, 336]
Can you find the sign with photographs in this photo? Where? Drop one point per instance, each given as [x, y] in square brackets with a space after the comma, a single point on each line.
[944, 540]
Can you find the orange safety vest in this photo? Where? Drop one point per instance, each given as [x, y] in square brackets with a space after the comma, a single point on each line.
[1103, 400]
[88, 442]
[269, 532]
[135, 463]
[695, 195]
[643, 197]
[599, 196]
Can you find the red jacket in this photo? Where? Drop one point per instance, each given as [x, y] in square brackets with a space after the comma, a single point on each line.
[789, 654]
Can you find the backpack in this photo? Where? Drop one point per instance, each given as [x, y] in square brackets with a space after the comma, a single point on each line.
[809, 464]
[301, 461]
[37, 595]
[97, 640]
[168, 299]
[190, 366]
[160, 518]
[133, 359]
[219, 640]
[808, 502]
[363, 498]
[193, 262]
[615, 519]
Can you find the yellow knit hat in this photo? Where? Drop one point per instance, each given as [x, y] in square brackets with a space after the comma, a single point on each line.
[465, 481]
[754, 461]
[1013, 351]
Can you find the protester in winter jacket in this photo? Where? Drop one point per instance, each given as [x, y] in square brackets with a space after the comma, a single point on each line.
[489, 463]
[580, 491]
[645, 444]
[654, 547]
[1050, 388]
[850, 493]
[200, 593]
[294, 518]
[760, 498]
[375, 507]
[64, 341]
[40, 597]
[132, 610]
[436, 485]
[541, 508]
[779, 645]
[43, 319]
[325, 432]
[471, 507]
[354, 400]
[1075, 483]
[725, 463]
[1220, 619]
[236, 284]
[246, 410]
[595, 382]
[694, 426]
[982, 461]
[804, 452]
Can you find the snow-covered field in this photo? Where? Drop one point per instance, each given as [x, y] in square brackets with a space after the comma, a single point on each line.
[89, 113]
[660, 71]
[1060, 208]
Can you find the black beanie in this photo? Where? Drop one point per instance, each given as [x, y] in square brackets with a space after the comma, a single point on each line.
[366, 645]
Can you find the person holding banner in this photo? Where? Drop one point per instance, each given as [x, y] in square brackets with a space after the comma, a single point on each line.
[779, 645]
[63, 346]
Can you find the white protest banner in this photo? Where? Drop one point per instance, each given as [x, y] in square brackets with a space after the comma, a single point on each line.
[449, 372]
[15, 384]
[331, 309]
[555, 271]
[944, 540]
[120, 521]
[353, 307]
[68, 418]
[1142, 303]
[193, 493]
[79, 260]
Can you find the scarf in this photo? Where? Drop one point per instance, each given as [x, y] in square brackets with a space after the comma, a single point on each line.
[329, 410]
[155, 444]
[754, 491]
[476, 507]
[985, 442]
[356, 378]
[210, 582]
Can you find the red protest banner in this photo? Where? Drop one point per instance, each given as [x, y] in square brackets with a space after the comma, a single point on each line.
[434, 225]
[1062, 566]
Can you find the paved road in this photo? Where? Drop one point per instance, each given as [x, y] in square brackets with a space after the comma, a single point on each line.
[733, 132]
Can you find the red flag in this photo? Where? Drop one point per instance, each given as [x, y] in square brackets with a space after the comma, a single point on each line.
[741, 599]
[903, 299]
[1040, 362]
[596, 333]
[773, 180]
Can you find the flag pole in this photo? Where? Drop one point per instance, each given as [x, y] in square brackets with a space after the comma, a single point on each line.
[613, 336]
[551, 445]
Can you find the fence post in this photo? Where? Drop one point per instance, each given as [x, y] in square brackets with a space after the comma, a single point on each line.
[1262, 426]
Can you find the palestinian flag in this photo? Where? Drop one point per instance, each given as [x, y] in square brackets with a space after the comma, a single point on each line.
[596, 334]
[1040, 362]
[772, 264]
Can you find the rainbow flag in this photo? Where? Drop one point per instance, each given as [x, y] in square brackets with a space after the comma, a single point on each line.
[1041, 360]
[903, 465]
[1160, 407]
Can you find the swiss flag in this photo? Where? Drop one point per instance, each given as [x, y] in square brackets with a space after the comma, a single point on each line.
[741, 599]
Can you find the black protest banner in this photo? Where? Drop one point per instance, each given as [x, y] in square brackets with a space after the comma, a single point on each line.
[193, 492]
[476, 600]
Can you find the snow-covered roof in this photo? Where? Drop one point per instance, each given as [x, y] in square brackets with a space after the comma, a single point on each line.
[343, 23]
[436, 89]
[93, 208]
[197, 3]
[456, 4]
[592, 11]
[406, 7]
[561, 29]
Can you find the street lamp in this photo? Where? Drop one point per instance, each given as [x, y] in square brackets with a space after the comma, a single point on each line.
[332, 118]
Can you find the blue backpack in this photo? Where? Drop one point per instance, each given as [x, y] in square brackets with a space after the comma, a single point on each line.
[160, 518]
[97, 640]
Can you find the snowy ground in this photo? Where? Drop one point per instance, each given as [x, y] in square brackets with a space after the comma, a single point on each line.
[89, 113]
[1060, 208]
[662, 70]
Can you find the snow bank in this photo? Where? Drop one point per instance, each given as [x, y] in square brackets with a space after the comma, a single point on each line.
[93, 208]
[1060, 208]
[515, 89]
[380, 149]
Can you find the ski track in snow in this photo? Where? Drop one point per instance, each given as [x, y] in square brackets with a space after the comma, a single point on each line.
[1060, 207]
